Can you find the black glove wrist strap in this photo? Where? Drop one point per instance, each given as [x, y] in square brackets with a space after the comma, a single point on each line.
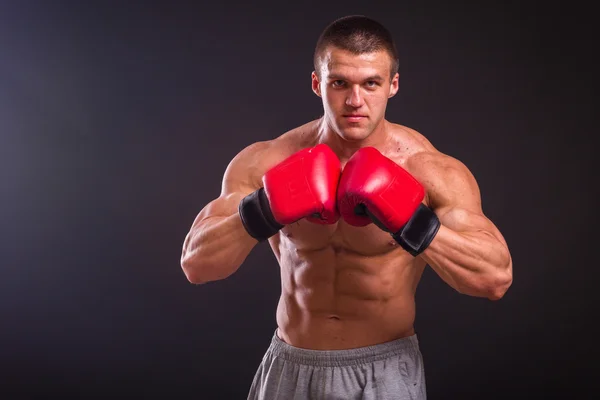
[257, 217]
[416, 235]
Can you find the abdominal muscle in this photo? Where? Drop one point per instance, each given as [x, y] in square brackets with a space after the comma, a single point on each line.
[343, 287]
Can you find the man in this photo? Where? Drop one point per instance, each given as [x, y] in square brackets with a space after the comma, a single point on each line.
[354, 207]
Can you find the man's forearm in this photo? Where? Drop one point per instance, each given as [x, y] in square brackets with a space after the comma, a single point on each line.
[473, 262]
[215, 248]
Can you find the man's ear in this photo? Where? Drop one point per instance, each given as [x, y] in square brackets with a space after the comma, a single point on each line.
[316, 85]
[394, 85]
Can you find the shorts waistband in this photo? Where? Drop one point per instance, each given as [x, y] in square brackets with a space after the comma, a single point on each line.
[339, 358]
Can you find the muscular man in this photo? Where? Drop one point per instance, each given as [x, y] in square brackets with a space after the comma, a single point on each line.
[354, 207]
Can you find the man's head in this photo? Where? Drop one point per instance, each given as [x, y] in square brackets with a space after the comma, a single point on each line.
[356, 72]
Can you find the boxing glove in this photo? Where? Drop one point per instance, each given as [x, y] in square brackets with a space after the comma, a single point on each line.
[302, 186]
[374, 189]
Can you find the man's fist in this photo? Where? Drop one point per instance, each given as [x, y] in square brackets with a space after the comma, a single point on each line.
[302, 186]
[373, 188]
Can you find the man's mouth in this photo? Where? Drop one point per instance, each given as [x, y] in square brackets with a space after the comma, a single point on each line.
[354, 117]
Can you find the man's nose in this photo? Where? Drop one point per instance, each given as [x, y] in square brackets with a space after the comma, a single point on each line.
[354, 98]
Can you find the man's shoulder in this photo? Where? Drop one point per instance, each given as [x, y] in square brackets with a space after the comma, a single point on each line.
[440, 174]
[410, 139]
[435, 162]
[298, 138]
[259, 156]
[293, 139]
[433, 168]
[418, 152]
[288, 143]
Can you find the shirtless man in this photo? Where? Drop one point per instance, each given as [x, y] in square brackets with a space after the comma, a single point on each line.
[354, 207]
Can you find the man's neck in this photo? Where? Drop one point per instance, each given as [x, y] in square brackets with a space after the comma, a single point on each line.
[345, 148]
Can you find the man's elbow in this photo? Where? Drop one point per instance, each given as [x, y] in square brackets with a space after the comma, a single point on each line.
[497, 293]
[191, 273]
[492, 286]
[207, 270]
[192, 269]
[500, 285]
[193, 279]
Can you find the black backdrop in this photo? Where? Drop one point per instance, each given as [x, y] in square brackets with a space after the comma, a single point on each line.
[117, 121]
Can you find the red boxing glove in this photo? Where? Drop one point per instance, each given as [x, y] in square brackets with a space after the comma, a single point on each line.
[302, 186]
[373, 188]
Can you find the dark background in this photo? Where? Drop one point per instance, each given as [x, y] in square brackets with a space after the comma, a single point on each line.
[117, 121]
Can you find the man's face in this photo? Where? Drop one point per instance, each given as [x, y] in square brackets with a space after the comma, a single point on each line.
[355, 90]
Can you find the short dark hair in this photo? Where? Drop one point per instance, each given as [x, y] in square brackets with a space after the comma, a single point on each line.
[357, 34]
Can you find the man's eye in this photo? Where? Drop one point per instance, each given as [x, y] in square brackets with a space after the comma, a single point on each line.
[372, 83]
[338, 83]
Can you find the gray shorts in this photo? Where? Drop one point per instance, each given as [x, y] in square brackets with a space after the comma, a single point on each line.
[389, 371]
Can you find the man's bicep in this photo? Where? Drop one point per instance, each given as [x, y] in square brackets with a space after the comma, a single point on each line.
[456, 200]
[239, 179]
[452, 191]
[447, 182]
[243, 173]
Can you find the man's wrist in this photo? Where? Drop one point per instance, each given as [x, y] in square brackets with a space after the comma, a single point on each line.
[257, 217]
[417, 234]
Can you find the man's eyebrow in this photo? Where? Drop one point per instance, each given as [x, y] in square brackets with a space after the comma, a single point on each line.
[374, 78]
[336, 77]
[343, 78]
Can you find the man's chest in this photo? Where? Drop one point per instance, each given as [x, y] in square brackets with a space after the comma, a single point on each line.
[341, 237]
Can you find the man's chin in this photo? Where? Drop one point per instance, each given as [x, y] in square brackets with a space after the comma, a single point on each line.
[353, 134]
